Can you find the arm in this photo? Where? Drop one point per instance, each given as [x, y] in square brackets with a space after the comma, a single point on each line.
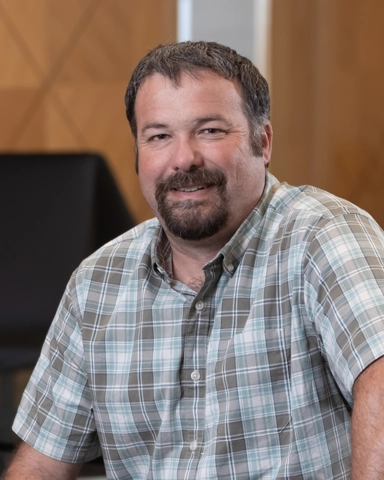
[29, 464]
[368, 424]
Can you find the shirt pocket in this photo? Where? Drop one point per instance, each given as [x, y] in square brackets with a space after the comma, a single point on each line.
[253, 382]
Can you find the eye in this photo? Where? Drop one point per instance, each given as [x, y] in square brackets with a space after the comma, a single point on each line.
[158, 137]
[212, 131]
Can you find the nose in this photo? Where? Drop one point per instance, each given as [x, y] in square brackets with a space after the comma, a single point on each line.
[186, 155]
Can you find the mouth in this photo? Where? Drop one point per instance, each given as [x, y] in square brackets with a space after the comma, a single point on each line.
[194, 185]
[190, 189]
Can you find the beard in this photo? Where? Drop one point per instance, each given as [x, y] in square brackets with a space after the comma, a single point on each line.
[191, 219]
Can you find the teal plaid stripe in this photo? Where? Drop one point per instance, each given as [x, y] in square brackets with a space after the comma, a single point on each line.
[250, 378]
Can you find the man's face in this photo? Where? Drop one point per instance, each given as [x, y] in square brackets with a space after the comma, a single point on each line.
[196, 166]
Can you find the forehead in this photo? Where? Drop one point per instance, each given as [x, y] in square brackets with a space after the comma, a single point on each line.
[203, 88]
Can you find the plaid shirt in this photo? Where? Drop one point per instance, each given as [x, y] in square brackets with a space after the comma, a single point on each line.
[250, 378]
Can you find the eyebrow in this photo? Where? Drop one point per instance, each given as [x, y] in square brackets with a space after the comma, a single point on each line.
[213, 118]
[149, 126]
[198, 121]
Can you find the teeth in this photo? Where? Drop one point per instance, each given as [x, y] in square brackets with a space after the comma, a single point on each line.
[191, 189]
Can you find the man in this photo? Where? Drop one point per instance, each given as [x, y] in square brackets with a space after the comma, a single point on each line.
[230, 338]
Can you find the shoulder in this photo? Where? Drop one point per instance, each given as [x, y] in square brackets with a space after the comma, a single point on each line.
[129, 246]
[311, 201]
[113, 264]
[315, 210]
[306, 222]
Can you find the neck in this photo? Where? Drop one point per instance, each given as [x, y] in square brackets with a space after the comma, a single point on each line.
[189, 257]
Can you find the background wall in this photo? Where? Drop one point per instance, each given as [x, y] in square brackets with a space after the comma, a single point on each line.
[65, 66]
[328, 97]
[242, 24]
[324, 62]
[224, 21]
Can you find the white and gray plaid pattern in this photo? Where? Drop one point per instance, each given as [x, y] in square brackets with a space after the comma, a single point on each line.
[250, 378]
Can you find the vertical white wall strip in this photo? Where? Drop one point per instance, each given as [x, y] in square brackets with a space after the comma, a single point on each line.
[184, 20]
[262, 33]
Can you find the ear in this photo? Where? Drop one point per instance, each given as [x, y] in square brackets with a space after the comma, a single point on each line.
[266, 139]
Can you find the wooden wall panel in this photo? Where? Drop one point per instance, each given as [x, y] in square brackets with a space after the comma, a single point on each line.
[65, 68]
[327, 85]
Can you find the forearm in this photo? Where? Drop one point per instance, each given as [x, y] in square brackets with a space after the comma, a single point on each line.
[21, 471]
[28, 464]
[368, 424]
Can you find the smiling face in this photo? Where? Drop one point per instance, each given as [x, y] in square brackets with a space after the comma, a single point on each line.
[196, 166]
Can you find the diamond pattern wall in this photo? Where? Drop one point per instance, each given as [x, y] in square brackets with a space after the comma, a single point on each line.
[65, 68]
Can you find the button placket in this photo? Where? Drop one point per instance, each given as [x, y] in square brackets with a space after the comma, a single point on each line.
[199, 305]
[194, 390]
[195, 375]
[193, 445]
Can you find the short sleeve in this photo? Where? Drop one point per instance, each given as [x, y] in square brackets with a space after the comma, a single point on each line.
[344, 294]
[55, 415]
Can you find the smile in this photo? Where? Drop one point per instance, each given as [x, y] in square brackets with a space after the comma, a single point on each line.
[190, 189]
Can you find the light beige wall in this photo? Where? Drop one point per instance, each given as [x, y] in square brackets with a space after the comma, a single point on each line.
[65, 65]
[328, 97]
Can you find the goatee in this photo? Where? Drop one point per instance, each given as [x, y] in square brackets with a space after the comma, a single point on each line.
[193, 219]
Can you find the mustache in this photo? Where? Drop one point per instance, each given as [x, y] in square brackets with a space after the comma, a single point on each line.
[200, 177]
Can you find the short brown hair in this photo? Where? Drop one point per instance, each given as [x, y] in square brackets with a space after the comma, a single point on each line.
[170, 60]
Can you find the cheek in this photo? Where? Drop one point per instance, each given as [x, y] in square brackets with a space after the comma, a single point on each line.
[249, 175]
[148, 179]
[151, 164]
[146, 169]
[147, 183]
[148, 191]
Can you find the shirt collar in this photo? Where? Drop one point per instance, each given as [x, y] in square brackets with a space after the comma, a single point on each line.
[233, 251]
[231, 254]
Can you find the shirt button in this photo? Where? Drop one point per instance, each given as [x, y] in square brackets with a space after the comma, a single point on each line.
[195, 375]
[199, 305]
[193, 445]
[231, 268]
